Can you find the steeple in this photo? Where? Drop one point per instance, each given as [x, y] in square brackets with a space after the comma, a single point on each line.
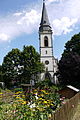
[46, 47]
[44, 25]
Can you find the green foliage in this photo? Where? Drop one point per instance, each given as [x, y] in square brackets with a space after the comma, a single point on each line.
[11, 66]
[17, 89]
[49, 84]
[1, 74]
[21, 67]
[44, 83]
[31, 64]
[56, 87]
[69, 65]
[17, 107]
[73, 45]
[0, 89]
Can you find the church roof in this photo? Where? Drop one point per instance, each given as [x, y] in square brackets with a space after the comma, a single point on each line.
[44, 20]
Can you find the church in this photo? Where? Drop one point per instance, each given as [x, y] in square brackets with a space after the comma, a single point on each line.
[46, 48]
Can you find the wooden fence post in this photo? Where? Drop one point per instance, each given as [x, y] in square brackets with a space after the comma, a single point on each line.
[67, 111]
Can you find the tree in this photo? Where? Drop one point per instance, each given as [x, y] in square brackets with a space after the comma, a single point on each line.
[73, 45]
[1, 74]
[32, 67]
[21, 67]
[11, 66]
[69, 65]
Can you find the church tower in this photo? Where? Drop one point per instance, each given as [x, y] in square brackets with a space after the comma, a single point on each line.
[46, 47]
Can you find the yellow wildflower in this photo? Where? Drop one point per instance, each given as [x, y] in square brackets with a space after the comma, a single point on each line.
[46, 93]
[52, 104]
[23, 96]
[41, 99]
[40, 108]
[14, 95]
[19, 92]
[21, 100]
[24, 102]
[41, 95]
[45, 102]
[43, 91]
[17, 97]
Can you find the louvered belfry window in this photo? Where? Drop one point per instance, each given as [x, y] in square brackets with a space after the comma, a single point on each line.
[46, 41]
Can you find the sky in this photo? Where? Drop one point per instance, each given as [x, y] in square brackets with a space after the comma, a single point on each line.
[20, 20]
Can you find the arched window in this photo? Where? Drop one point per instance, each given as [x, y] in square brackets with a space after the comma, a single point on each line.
[46, 41]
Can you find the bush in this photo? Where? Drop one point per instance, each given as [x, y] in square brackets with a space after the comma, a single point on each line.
[17, 89]
[43, 83]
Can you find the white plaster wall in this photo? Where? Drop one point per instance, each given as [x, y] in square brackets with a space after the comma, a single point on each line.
[55, 65]
[50, 65]
[49, 52]
[55, 69]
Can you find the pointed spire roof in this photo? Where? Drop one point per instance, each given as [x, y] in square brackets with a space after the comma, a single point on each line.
[44, 19]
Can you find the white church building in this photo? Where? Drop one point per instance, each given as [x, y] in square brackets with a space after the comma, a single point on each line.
[46, 48]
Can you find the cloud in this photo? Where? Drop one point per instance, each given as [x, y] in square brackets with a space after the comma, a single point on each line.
[53, 1]
[63, 16]
[63, 25]
[30, 20]
[4, 37]
[18, 23]
[17, 14]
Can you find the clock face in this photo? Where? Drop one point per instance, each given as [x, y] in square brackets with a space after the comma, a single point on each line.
[46, 62]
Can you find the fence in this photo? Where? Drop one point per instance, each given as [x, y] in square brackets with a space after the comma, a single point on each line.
[67, 111]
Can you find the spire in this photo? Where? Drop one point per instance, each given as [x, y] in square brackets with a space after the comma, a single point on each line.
[44, 19]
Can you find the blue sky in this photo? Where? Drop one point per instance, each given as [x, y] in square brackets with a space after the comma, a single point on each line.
[20, 19]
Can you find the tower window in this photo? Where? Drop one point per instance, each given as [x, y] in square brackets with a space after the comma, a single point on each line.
[46, 41]
[46, 62]
[44, 21]
[46, 51]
